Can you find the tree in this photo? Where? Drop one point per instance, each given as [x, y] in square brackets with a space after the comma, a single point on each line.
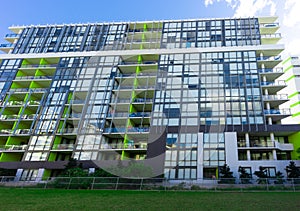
[262, 175]
[226, 175]
[7, 172]
[74, 169]
[244, 176]
[292, 170]
[279, 178]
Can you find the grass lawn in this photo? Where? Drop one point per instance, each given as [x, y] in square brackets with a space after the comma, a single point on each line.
[57, 200]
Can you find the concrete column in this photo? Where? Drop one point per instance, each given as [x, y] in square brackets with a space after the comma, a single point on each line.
[18, 175]
[264, 78]
[270, 121]
[247, 140]
[248, 145]
[40, 175]
[248, 155]
[200, 157]
[273, 141]
[274, 155]
[266, 92]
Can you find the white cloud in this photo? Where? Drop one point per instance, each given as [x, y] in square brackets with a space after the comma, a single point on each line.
[288, 12]
[292, 13]
[248, 8]
[292, 47]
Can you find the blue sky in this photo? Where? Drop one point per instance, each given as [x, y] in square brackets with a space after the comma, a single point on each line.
[27, 12]
[75, 11]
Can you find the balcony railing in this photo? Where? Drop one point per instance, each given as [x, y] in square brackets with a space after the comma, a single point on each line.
[27, 90]
[262, 144]
[19, 131]
[287, 147]
[13, 147]
[12, 35]
[275, 97]
[140, 114]
[125, 114]
[277, 112]
[139, 129]
[276, 35]
[142, 100]
[68, 130]
[33, 77]
[63, 147]
[270, 70]
[270, 25]
[133, 87]
[269, 58]
[14, 117]
[138, 63]
[77, 102]
[123, 146]
[115, 130]
[130, 129]
[6, 45]
[39, 66]
[273, 83]
[133, 75]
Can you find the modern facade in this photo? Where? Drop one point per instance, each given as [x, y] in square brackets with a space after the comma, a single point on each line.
[184, 96]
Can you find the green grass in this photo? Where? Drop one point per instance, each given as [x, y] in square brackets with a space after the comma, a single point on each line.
[57, 200]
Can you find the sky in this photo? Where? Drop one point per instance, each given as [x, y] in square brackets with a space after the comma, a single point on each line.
[27, 12]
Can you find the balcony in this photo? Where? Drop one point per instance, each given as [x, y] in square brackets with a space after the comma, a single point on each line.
[269, 28]
[273, 86]
[7, 47]
[12, 148]
[271, 73]
[269, 61]
[268, 39]
[284, 147]
[275, 100]
[271, 70]
[277, 114]
[11, 37]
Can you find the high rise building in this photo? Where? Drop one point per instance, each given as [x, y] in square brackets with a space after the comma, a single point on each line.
[184, 96]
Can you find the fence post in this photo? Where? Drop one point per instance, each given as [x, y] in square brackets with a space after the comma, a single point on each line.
[46, 183]
[293, 183]
[141, 184]
[92, 186]
[69, 183]
[116, 188]
[267, 183]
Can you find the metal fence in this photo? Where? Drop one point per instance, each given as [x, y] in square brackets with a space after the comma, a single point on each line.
[162, 184]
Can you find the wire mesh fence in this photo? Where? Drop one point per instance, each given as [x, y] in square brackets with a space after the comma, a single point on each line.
[162, 184]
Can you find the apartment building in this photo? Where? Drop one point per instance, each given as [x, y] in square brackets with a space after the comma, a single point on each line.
[183, 96]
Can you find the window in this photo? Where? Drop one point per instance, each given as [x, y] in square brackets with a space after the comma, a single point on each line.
[248, 170]
[270, 171]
